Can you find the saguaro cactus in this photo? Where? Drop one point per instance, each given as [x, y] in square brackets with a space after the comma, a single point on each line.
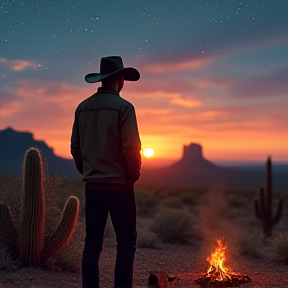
[32, 215]
[263, 205]
[31, 246]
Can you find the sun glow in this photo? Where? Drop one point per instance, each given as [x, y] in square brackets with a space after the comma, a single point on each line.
[148, 152]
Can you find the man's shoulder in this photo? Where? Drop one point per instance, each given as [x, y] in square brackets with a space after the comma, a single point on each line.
[85, 101]
[105, 100]
[126, 102]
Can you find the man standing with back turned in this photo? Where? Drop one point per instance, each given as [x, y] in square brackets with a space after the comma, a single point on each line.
[106, 148]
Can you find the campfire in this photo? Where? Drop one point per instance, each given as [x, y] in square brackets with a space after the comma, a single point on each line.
[217, 274]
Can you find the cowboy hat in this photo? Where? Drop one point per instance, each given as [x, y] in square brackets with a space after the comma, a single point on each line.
[111, 65]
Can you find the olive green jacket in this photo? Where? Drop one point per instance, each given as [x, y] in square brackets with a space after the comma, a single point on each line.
[105, 141]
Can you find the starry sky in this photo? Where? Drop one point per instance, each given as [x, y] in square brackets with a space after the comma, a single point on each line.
[212, 72]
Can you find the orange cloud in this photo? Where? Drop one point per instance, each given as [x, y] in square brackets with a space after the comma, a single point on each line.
[167, 118]
[190, 103]
[151, 111]
[46, 108]
[172, 98]
[9, 108]
[19, 65]
[168, 67]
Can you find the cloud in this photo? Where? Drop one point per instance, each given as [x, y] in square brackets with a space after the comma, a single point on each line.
[8, 108]
[168, 67]
[152, 111]
[271, 85]
[47, 99]
[171, 99]
[189, 103]
[261, 86]
[19, 65]
[44, 107]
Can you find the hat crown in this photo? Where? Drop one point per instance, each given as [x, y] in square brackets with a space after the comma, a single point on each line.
[110, 64]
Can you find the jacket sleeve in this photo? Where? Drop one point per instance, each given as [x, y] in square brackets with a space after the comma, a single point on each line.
[131, 144]
[75, 145]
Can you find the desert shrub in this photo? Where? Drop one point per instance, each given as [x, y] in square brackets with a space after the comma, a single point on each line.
[10, 193]
[174, 226]
[146, 203]
[279, 248]
[166, 192]
[147, 239]
[237, 200]
[251, 245]
[173, 202]
[188, 199]
[6, 261]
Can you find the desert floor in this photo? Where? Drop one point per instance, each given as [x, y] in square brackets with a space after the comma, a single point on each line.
[215, 213]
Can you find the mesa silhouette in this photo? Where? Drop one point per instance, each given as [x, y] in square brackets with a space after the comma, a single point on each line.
[14, 144]
[191, 170]
[194, 170]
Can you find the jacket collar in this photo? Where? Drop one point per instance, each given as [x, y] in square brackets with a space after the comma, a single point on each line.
[105, 90]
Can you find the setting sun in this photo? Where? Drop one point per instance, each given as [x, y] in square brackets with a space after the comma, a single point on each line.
[148, 152]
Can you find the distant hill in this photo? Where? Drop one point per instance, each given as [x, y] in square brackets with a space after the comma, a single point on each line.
[14, 144]
[194, 170]
[191, 170]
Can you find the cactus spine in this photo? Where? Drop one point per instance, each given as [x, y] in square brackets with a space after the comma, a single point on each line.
[263, 205]
[31, 245]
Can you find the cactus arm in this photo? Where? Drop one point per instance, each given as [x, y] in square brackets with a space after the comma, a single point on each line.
[279, 213]
[8, 231]
[32, 215]
[61, 236]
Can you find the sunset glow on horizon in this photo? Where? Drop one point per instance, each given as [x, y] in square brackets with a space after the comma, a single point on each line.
[220, 79]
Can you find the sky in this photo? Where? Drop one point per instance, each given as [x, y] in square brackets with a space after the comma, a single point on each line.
[212, 72]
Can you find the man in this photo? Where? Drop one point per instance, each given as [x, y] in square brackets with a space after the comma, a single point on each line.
[106, 148]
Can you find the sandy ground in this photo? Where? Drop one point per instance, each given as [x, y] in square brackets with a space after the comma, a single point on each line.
[184, 261]
[217, 215]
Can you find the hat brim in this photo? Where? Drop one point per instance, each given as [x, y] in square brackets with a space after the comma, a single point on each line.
[129, 73]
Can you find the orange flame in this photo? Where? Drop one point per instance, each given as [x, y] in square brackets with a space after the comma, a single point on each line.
[217, 271]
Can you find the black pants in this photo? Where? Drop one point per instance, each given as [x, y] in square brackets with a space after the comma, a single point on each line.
[121, 205]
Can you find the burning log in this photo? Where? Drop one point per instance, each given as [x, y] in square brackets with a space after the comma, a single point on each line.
[235, 281]
[160, 279]
[217, 274]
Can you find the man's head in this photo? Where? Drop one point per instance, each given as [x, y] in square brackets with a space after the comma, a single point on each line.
[112, 66]
[115, 82]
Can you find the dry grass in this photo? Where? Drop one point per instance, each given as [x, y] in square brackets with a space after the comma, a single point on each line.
[251, 245]
[279, 249]
[173, 202]
[6, 261]
[147, 239]
[174, 226]
[147, 203]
